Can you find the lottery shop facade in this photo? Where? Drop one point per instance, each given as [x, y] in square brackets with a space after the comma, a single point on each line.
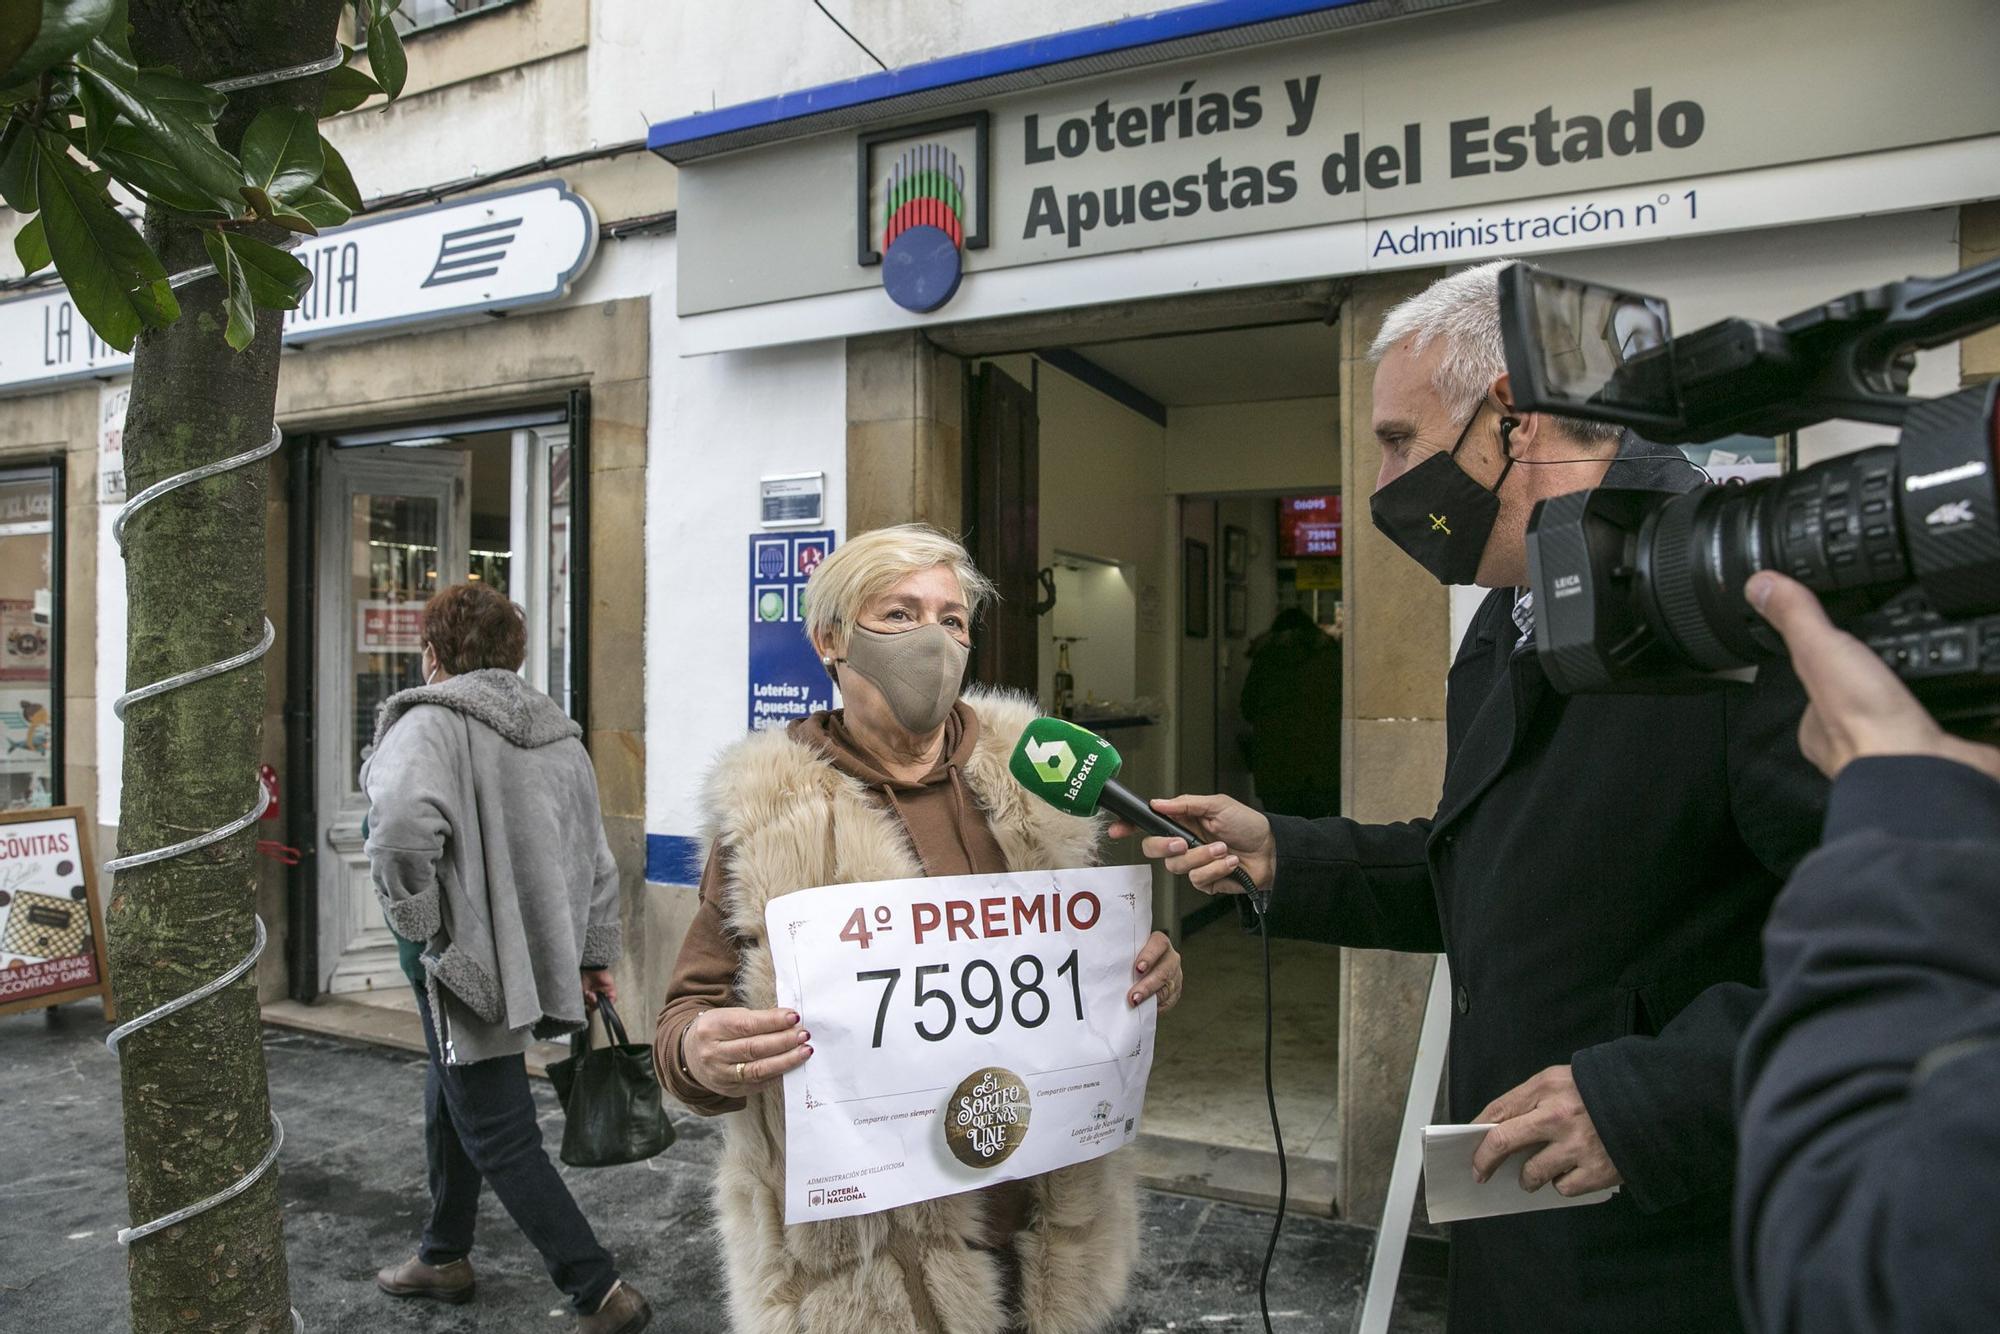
[1100, 297]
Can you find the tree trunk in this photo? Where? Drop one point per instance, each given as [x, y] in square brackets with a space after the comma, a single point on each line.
[196, 1103]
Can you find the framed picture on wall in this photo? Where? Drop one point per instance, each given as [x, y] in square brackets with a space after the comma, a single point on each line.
[1235, 610]
[1194, 588]
[1235, 554]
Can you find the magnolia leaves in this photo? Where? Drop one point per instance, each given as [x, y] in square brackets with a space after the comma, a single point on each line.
[77, 114]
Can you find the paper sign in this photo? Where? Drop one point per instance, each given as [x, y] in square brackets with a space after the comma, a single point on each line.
[966, 1030]
[1451, 1194]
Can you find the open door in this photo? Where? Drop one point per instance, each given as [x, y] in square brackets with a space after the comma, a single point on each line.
[394, 527]
[1003, 479]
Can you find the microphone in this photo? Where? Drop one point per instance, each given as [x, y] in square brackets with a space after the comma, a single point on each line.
[1076, 771]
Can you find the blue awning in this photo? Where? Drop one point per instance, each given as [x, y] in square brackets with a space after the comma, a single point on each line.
[1146, 39]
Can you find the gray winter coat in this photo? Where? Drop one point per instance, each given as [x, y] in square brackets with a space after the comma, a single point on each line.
[486, 842]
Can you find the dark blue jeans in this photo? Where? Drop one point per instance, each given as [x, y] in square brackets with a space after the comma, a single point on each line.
[479, 1125]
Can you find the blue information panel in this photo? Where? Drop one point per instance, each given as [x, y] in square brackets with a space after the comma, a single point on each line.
[786, 679]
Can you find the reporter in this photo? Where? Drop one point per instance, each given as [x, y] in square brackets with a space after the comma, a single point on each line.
[1870, 1158]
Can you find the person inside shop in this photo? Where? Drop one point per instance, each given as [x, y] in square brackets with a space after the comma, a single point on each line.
[488, 849]
[1294, 740]
[1597, 869]
[1871, 1154]
[908, 778]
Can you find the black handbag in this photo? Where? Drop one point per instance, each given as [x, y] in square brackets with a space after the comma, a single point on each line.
[610, 1099]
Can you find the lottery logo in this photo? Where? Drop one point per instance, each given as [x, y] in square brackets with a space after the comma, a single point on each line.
[986, 1118]
[924, 235]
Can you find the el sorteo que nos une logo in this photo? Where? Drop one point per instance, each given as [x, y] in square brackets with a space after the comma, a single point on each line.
[986, 1118]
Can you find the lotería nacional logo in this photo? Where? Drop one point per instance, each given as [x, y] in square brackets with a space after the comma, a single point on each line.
[921, 197]
[986, 1118]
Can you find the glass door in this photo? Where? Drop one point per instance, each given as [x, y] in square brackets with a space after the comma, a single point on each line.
[395, 527]
[30, 640]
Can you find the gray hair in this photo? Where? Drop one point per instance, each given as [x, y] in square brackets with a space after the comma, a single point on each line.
[1463, 309]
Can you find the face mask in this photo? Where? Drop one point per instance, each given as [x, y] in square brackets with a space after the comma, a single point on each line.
[919, 672]
[428, 665]
[1439, 515]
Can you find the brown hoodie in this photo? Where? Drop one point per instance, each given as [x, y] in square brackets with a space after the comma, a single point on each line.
[947, 830]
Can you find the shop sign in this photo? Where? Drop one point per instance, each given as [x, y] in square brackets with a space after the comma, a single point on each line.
[493, 252]
[51, 928]
[1400, 134]
[787, 681]
[388, 627]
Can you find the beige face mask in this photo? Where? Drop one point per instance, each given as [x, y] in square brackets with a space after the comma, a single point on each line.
[918, 671]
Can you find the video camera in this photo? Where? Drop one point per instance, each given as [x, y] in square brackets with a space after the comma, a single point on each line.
[1643, 589]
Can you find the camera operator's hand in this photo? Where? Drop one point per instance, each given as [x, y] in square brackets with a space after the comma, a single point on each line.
[1858, 707]
[1243, 838]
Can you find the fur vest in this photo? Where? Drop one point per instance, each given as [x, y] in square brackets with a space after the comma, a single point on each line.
[789, 820]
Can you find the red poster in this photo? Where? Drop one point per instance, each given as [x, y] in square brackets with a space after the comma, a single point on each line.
[1309, 527]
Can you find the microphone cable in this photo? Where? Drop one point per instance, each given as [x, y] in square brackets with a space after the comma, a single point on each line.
[1277, 1134]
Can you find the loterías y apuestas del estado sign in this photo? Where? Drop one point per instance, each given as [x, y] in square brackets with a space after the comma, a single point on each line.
[502, 251]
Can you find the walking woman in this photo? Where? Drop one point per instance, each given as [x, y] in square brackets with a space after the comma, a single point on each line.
[488, 848]
[909, 778]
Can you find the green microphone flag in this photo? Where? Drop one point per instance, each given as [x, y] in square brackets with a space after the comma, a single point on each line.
[1064, 765]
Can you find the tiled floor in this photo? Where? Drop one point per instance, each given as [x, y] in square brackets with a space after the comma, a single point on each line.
[1208, 1079]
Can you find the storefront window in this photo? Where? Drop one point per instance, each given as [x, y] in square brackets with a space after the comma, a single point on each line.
[394, 568]
[30, 586]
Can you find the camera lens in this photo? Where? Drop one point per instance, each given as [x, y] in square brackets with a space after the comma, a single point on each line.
[1833, 527]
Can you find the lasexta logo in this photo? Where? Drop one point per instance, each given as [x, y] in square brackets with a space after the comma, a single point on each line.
[1054, 761]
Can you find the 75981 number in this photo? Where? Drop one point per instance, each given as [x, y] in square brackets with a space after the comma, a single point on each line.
[985, 995]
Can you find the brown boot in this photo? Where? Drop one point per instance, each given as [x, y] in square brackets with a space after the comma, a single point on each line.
[441, 1283]
[623, 1312]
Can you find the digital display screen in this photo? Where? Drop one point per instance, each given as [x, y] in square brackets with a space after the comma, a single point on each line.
[1308, 527]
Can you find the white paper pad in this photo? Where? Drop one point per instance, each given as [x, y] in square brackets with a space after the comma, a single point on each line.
[1451, 1193]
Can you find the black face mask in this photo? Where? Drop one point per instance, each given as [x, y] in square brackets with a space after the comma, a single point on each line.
[1438, 514]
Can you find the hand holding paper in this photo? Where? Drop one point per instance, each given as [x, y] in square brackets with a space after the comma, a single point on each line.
[1452, 1192]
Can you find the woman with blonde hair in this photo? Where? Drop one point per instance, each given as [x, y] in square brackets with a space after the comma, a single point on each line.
[908, 778]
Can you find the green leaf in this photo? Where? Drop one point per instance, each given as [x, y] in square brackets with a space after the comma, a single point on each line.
[98, 114]
[66, 26]
[319, 207]
[337, 180]
[17, 167]
[113, 276]
[346, 89]
[188, 145]
[275, 278]
[20, 24]
[281, 153]
[386, 60]
[236, 303]
[136, 159]
[32, 246]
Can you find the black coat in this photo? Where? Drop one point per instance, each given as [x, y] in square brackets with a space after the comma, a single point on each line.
[1871, 1146]
[1598, 871]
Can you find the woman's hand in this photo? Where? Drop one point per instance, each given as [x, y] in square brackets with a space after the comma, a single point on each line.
[732, 1051]
[1159, 969]
[597, 982]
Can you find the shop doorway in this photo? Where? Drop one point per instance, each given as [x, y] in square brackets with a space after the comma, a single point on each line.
[399, 514]
[1184, 515]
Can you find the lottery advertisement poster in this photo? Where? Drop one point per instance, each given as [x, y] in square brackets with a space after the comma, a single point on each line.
[49, 942]
[966, 1030]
